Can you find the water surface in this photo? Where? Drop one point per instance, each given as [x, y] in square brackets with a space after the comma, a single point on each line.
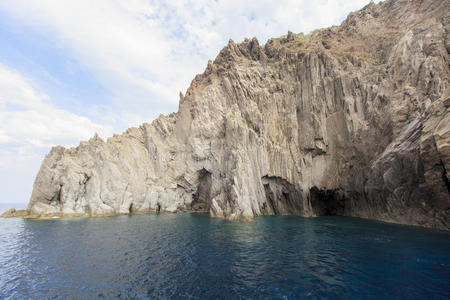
[194, 256]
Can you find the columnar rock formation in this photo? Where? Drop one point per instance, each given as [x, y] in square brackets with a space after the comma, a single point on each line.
[351, 120]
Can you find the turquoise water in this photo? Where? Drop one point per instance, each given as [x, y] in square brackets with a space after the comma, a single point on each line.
[196, 257]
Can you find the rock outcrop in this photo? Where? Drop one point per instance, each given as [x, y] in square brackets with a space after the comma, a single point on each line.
[351, 120]
[12, 212]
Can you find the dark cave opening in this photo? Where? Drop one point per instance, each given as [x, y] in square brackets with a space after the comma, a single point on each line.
[201, 199]
[57, 196]
[444, 177]
[326, 202]
[282, 197]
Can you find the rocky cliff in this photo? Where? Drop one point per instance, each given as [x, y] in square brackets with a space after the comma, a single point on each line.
[350, 120]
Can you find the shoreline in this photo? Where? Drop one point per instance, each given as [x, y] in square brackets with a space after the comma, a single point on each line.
[24, 214]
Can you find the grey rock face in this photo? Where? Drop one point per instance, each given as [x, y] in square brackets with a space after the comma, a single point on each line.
[350, 120]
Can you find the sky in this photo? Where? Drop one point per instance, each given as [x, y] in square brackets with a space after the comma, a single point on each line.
[70, 69]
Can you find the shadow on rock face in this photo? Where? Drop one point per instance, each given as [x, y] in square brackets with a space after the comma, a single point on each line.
[326, 202]
[201, 199]
[282, 197]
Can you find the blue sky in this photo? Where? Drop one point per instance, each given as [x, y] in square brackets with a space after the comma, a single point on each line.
[69, 69]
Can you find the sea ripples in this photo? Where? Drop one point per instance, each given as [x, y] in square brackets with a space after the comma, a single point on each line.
[192, 256]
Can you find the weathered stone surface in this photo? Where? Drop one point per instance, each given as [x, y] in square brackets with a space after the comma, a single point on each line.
[12, 212]
[349, 120]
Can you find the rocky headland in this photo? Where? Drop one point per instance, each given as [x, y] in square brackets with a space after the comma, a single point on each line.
[351, 120]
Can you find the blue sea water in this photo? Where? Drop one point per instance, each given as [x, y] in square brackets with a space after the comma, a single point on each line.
[192, 256]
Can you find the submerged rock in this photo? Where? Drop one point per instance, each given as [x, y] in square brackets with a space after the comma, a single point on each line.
[350, 120]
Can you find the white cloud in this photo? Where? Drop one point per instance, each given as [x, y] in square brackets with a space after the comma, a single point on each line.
[30, 125]
[30, 121]
[145, 52]
[28, 116]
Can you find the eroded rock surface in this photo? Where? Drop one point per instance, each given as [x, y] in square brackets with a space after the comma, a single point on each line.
[350, 120]
[12, 212]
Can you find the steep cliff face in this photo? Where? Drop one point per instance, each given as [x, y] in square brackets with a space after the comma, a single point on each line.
[351, 120]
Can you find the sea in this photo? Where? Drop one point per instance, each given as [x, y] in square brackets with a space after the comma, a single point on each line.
[193, 256]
